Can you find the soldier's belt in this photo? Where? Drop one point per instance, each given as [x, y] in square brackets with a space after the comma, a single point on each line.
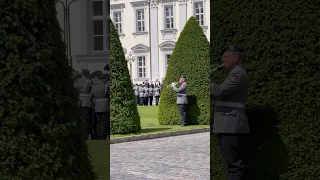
[101, 100]
[182, 94]
[229, 104]
[84, 95]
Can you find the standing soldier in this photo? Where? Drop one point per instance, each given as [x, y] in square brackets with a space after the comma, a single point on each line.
[157, 94]
[230, 121]
[182, 99]
[146, 94]
[100, 94]
[84, 86]
[151, 94]
[136, 93]
[141, 95]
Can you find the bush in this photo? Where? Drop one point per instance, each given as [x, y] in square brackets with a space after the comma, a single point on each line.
[124, 115]
[41, 132]
[281, 42]
[191, 58]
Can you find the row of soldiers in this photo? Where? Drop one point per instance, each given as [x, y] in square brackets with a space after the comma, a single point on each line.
[144, 94]
[94, 96]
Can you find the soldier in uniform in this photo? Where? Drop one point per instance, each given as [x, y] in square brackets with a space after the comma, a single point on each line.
[182, 99]
[146, 94]
[84, 86]
[100, 94]
[157, 94]
[151, 94]
[230, 121]
[141, 95]
[136, 93]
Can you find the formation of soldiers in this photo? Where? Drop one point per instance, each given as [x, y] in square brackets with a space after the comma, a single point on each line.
[94, 100]
[146, 93]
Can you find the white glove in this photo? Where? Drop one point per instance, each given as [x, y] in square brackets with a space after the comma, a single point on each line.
[173, 84]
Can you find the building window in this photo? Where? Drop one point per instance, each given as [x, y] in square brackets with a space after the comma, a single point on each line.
[167, 58]
[169, 18]
[140, 20]
[142, 66]
[198, 12]
[117, 20]
[99, 23]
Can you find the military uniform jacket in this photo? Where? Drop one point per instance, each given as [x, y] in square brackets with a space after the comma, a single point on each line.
[230, 97]
[146, 92]
[182, 93]
[100, 95]
[150, 92]
[84, 86]
[141, 92]
[136, 90]
[156, 91]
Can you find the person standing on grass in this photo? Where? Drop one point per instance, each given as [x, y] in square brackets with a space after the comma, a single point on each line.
[146, 94]
[100, 95]
[84, 86]
[141, 95]
[182, 99]
[157, 94]
[151, 88]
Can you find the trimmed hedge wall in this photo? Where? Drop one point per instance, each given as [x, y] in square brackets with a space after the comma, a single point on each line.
[124, 115]
[281, 42]
[41, 131]
[191, 58]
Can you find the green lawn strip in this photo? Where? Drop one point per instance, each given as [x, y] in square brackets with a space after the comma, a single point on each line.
[150, 124]
[99, 151]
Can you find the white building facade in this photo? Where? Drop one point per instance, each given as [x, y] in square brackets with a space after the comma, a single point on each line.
[149, 29]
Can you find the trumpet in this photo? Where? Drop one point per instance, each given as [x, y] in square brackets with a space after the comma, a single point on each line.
[174, 83]
[216, 67]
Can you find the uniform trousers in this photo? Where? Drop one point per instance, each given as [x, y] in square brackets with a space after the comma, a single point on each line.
[150, 100]
[146, 100]
[183, 113]
[102, 125]
[94, 125]
[137, 99]
[232, 147]
[87, 119]
[157, 100]
[141, 101]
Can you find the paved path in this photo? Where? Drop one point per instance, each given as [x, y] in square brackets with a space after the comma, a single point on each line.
[184, 157]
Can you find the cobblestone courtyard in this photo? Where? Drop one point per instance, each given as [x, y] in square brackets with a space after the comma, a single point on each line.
[173, 158]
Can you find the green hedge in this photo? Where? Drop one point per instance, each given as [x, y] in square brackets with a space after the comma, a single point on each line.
[41, 132]
[191, 58]
[123, 109]
[281, 42]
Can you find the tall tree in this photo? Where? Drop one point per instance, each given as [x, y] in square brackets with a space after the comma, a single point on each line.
[124, 115]
[281, 42]
[190, 58]
[41, 132]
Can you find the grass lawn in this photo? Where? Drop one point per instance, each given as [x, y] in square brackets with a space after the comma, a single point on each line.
[150, 124]
[100, 154]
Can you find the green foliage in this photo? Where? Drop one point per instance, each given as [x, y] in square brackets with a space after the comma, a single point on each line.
[123, 109]
[281, 42]
[41, 132]
[191, 58]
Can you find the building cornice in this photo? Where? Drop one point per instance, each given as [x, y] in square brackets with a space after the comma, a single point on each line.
[117, 6]
[139, 3]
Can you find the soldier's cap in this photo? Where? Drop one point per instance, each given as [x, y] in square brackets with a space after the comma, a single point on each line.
[102, 76]
[97, 73]
[183, 77]
[85, 71]
[232, 48]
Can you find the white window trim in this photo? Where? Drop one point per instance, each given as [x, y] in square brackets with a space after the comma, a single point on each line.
[146, 69]
[165, 53]
[104, 17]
[138, 5]
[205, 26]
[118, 8]
[113, 20]
[164, 15]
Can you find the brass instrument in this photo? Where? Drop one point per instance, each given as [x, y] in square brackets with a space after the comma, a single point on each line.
[216, 67]
[174, 83]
